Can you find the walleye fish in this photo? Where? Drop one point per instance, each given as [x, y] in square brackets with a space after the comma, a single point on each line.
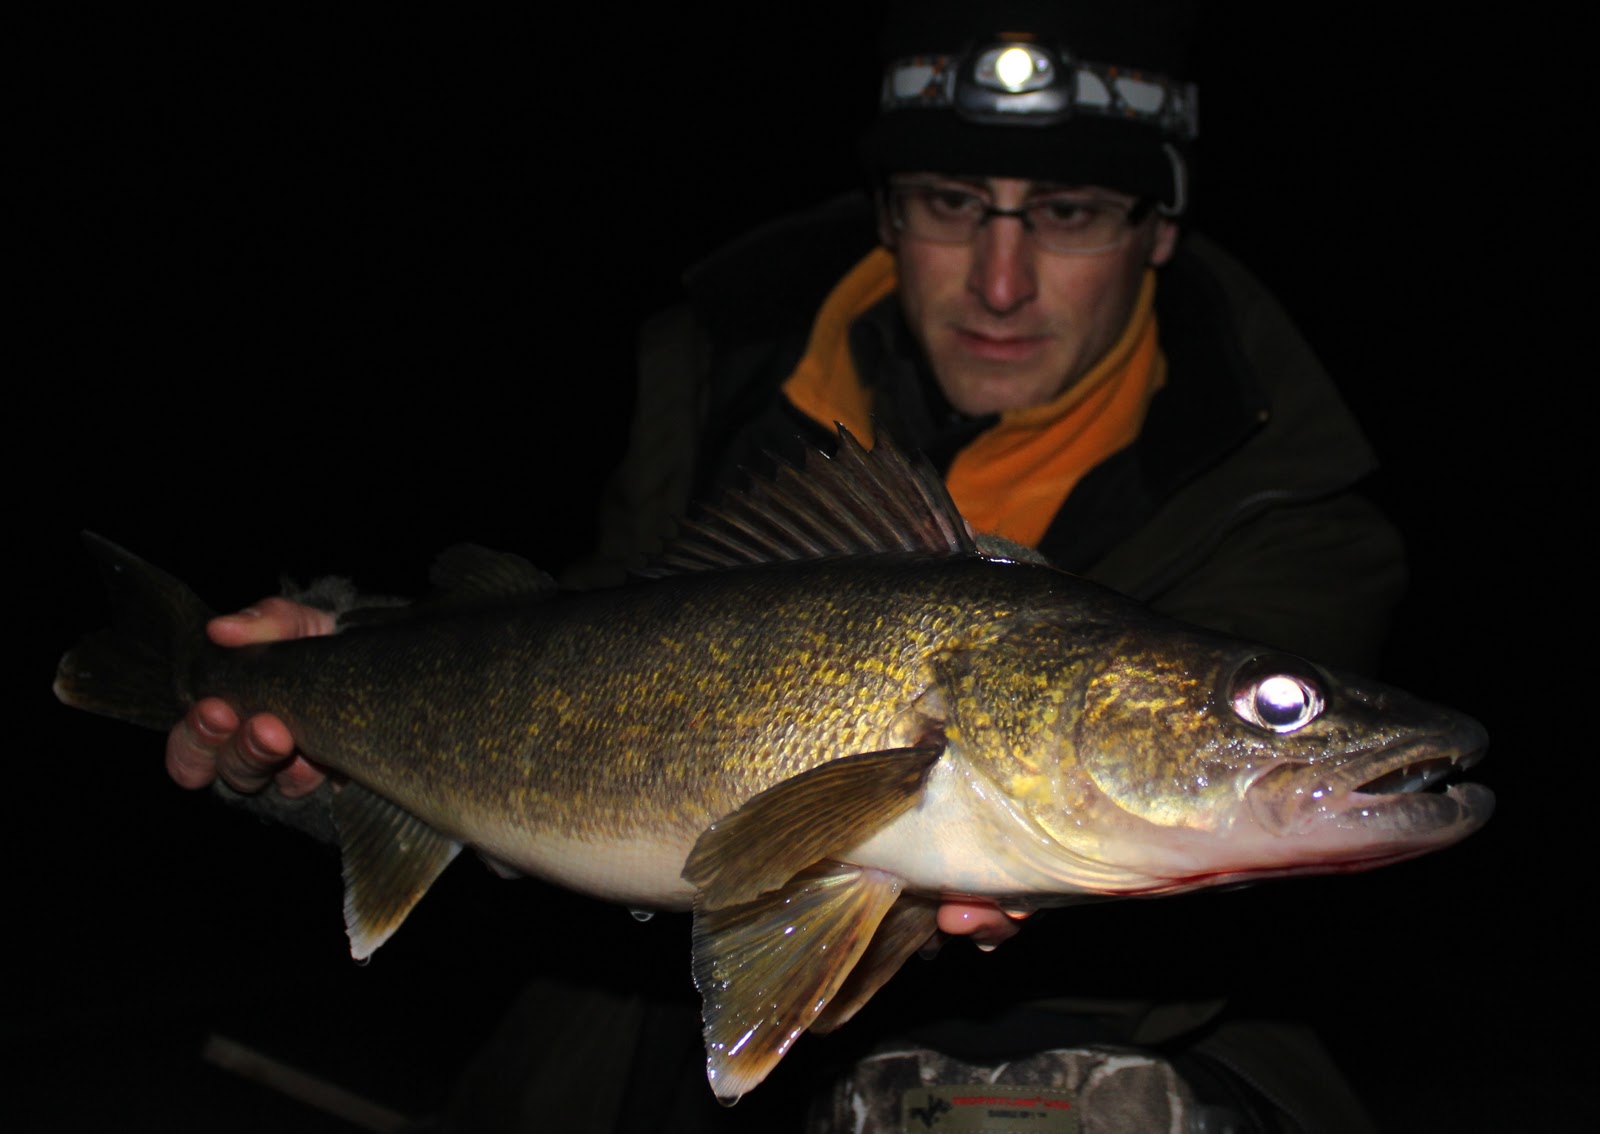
[828, 708]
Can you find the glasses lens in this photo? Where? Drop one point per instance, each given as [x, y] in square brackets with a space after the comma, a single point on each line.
[1062, 222]
[1076, 223]
[938, 213]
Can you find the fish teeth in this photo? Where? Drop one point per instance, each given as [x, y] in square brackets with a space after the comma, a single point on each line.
[1410, 778]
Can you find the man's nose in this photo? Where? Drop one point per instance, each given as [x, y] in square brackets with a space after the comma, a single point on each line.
[1002, 274]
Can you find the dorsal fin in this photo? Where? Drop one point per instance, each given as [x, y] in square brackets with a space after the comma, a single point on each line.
[857, 502]
[464, 577]
[468, 573]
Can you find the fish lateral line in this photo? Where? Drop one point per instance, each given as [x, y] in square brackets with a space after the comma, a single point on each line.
[830, 704]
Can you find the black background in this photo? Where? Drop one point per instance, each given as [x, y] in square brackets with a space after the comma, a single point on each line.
[307, 293]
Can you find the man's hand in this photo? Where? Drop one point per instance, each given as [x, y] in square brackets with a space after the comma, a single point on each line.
[988, 926]
[211, 741]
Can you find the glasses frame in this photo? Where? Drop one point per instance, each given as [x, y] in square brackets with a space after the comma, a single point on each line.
[1133, 215]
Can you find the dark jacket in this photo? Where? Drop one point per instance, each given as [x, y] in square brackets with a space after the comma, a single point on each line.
[1235, 509]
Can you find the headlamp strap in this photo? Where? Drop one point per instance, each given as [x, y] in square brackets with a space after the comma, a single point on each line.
[1022, 83]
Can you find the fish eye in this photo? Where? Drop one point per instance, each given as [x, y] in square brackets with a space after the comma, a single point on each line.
[1275, 698]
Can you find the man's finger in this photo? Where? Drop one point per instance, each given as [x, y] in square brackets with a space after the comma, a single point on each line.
[255, 754]
[193, 744]
[266, 747]
[270, 620]
[986, 925]
[299, 777]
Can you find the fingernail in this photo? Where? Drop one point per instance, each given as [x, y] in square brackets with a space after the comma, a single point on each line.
[206, 731]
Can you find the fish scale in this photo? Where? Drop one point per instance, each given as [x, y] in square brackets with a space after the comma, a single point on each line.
[826, 710]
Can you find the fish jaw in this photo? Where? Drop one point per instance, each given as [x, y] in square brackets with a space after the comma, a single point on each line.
[970, 839]
[1381, 804]
[1300, 816]
[1173, 758]
[1389, 800]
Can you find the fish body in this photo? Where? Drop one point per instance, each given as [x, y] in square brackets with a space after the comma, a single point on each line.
[828, 712]
[591, 739]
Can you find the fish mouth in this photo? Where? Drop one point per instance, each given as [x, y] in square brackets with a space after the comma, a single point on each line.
[1403, 799]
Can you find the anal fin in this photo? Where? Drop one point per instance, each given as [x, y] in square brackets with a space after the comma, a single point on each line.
[390, 859]
[766, 969]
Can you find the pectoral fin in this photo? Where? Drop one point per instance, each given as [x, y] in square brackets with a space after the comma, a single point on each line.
[765, 969]
[812, 817]
[390, 859]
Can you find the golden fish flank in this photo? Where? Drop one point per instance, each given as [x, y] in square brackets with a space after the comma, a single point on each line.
[827, 712]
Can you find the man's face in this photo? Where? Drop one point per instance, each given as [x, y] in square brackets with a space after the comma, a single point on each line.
[1005, 324]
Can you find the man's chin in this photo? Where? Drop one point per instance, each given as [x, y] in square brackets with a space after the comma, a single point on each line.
[978, 392]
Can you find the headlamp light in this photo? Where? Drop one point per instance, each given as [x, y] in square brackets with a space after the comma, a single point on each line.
[1019, 82]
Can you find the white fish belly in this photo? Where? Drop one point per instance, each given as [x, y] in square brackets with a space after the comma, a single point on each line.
[966, 838]
[644, 873]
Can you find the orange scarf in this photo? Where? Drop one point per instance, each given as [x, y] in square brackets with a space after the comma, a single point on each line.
[1013, 477]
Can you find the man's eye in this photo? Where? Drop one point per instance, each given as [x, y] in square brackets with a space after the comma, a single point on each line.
[950, 202]
[1064, 213]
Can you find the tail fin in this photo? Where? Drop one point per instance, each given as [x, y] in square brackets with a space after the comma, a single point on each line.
[136, 670]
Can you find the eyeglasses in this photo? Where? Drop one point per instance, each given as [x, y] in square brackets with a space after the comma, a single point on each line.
[1068, 223]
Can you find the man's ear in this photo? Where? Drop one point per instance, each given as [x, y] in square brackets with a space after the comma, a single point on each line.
[1164, 243]
[886, 230]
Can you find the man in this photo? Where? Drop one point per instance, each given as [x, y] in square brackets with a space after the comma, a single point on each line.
[1176, 441]
[1129, 403]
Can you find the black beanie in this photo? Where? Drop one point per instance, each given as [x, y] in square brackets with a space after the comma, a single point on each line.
[1105, 46]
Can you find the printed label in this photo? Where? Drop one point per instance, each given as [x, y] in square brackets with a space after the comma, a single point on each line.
[983, 1108]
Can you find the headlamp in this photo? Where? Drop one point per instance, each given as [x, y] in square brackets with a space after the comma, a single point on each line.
[1020, 82]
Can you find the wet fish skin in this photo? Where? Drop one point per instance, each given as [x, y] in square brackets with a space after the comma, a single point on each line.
[1141, 760]
[597, 716]
[810, 734]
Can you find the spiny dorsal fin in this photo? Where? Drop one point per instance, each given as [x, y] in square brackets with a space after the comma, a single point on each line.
[857, 502]
[390, 859]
